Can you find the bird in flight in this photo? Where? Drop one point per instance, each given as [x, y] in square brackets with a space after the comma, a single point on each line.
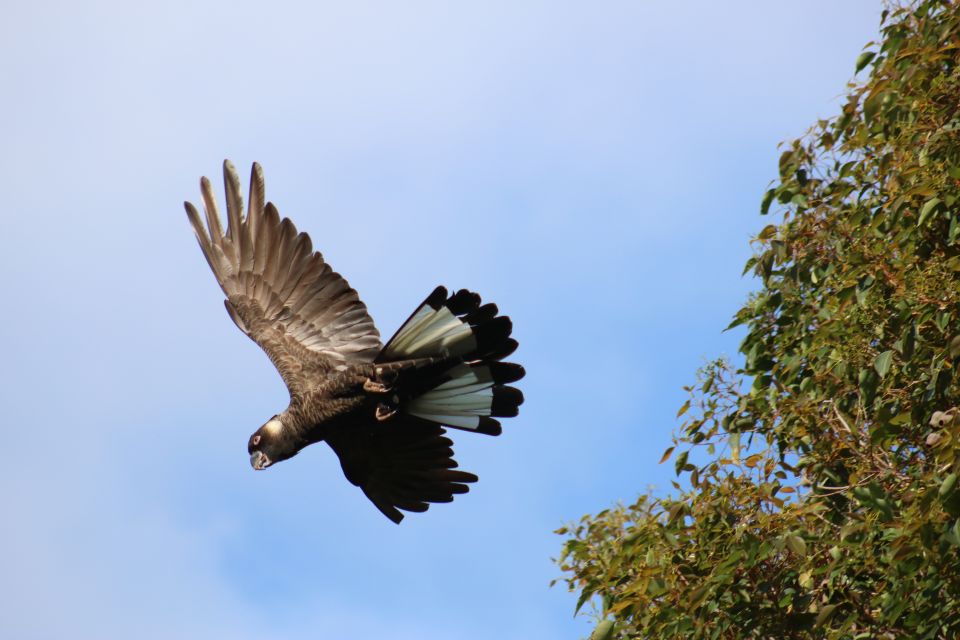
[383, 410]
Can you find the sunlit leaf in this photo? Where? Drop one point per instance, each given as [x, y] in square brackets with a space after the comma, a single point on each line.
[681, 461]
[882, 363]
[864, 59]
[796, 544]
[928, 208]
[666, 455]
[824, 615]
[585, 595]
[948, 485]
[603, 631]
[767, 201]
[955, 346]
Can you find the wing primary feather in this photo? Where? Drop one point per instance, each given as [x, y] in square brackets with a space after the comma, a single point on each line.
[194, 216]
[411, 505]
[264, 245]
[272, 259]
[295, 267]
[269, 271]
[231, 186]
[385, 508]
[458, 476]
[285, 256]
[201, 233]
[263, 236]
[210, 207]
[257, 192]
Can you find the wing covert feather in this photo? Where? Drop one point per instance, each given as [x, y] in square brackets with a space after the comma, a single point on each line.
[280, 292]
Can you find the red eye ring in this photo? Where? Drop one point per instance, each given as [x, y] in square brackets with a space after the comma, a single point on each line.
[256, 440]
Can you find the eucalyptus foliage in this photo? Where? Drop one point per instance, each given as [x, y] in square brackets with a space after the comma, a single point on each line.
[824, 502]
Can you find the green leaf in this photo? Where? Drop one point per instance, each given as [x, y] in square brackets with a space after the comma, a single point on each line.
[955, 346]
[666, 455]
[948, 485]
[951, 535]
[707, 385]
[767, 201]
[909, 340]
[698, 595]
[603, 631]
[867, 381]
[870, 106]
[797, 545]
[927, 210]
[582, 600]
[767, 232]
[678, 509]
[901, 419]
[864, 59]
[683, 409]
[824, 614]
[632, 538]
[861, 295]
[882, 363]
[681, 462]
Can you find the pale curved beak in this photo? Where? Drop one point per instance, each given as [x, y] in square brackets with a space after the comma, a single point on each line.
[259, 460]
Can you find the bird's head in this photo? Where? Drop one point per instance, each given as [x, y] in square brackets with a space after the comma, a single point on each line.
[270, 444]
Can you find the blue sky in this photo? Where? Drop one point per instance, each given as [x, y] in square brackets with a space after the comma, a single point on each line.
[594, 168]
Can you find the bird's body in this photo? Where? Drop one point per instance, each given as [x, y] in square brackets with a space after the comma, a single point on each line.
[382, 409]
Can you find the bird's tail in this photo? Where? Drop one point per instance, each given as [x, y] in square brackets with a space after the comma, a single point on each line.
[467, 385]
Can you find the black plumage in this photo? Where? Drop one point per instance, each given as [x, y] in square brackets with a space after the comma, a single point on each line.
[384, 410]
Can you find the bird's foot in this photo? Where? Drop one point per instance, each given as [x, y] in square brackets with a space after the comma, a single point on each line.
[385, 411]
[372, 386]
[381, 381]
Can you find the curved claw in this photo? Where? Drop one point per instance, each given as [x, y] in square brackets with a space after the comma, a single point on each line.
[385, 411]
[371, 386]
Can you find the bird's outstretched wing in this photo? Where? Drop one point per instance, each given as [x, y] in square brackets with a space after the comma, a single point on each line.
[400, 465]
[281, 293]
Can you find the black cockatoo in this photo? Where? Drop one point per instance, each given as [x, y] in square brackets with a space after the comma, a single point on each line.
[382, 409]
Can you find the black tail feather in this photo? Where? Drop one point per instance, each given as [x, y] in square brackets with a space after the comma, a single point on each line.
[459, 379]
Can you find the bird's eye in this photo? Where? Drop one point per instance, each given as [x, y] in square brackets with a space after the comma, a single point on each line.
[256, 440]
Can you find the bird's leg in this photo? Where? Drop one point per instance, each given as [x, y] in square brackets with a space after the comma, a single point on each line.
[372, 386]
[385, 411]
[381, 384]
[381, 381]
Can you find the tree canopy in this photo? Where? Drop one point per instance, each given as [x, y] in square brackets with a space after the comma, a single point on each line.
[818, 493]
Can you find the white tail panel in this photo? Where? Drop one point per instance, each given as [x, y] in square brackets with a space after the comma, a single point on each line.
[431, 332]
